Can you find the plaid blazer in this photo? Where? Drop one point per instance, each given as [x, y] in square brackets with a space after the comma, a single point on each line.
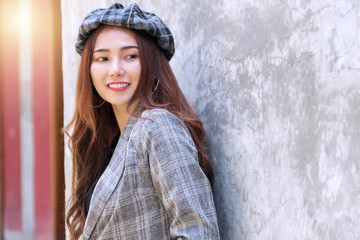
[153, 187]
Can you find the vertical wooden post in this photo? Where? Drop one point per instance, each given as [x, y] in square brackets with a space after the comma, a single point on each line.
[10, 114]
[48, 119]
[57, 119]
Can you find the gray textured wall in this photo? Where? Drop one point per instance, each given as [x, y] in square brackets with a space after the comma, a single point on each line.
[277, 86]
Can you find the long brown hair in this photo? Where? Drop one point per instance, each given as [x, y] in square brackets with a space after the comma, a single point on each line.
[94, 123]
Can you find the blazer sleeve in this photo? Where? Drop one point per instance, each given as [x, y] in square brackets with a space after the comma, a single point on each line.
[179, 180]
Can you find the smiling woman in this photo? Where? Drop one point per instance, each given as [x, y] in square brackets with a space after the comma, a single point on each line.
[115, 69]
[139, 163]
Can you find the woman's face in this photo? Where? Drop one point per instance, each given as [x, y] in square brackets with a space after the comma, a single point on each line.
[115, 68]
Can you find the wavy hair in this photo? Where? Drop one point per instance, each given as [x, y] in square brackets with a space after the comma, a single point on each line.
[95, 126]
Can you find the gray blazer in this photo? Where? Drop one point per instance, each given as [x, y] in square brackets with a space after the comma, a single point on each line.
[153, 187]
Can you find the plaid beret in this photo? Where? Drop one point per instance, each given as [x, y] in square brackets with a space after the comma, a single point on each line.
[129, 17]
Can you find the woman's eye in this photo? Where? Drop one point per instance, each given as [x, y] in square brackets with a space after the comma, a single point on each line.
[102, 59]
[131, 56]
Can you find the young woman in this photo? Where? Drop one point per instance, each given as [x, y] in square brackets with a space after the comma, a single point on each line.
[140, 170]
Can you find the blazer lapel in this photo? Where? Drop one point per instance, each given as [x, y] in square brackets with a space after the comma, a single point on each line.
[111, 176]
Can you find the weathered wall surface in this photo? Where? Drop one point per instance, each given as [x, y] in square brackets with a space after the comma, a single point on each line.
[277, 85]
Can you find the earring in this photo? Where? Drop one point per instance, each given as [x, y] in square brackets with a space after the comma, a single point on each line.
[100, 104]
[157, 84]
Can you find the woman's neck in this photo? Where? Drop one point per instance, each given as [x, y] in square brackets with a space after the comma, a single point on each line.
[122, 115]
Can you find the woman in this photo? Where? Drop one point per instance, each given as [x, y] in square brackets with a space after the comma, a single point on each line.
[139, 163]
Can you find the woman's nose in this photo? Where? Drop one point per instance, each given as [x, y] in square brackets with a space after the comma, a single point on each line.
[116, 68]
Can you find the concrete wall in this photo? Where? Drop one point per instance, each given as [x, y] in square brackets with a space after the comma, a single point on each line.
[276, 83]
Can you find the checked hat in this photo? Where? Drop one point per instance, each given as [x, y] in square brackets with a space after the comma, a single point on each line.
[129, 17]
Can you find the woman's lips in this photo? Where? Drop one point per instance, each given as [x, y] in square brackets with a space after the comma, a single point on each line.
[118, 86]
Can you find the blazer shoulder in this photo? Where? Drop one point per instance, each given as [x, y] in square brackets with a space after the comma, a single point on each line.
[159, 114]
[158, 118]
[155, 122]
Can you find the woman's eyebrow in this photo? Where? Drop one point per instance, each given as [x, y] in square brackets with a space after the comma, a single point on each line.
[101, 50]
[128, 47]
[108, 50]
